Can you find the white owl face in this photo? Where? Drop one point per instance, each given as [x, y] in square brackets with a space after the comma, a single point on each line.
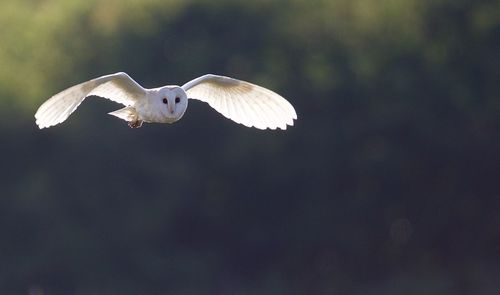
[172, 102]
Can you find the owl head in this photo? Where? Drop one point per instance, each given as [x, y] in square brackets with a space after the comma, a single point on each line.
[172, 102]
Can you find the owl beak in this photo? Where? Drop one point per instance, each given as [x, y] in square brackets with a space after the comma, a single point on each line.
[170, 108]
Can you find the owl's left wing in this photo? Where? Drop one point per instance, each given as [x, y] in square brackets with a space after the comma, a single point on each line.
[242, 102]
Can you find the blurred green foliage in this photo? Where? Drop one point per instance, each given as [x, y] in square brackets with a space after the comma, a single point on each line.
[388, 183]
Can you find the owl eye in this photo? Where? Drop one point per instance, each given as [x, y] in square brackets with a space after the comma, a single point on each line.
[177, 100]
[165, 101]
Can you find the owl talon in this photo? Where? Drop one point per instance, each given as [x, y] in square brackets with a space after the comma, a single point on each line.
[135, 124]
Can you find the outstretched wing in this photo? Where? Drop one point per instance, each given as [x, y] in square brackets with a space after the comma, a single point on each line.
[117, 87]
[242, 102]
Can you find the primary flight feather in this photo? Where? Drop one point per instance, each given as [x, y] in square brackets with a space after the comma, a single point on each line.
[243, 102]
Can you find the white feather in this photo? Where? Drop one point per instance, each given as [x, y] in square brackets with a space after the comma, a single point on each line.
[117, 87]
[242, 102]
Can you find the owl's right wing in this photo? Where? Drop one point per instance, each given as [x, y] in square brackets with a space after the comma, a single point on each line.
[118, 87]
[243, 102]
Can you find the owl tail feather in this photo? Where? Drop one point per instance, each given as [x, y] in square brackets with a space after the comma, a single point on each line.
[128, 114]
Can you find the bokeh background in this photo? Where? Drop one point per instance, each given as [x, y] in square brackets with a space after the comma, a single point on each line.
[389, 183]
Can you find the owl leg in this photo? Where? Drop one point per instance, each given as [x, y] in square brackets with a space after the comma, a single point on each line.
[135, 124]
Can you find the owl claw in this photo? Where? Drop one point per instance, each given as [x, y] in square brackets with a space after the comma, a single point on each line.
[135, 124]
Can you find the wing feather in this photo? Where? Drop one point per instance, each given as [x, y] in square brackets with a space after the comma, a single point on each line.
[242, 102]
[244, 117]
[268, 115]
[254, 114]
[118, 87]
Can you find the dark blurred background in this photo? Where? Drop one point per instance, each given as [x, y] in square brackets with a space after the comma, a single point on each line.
[389, 183]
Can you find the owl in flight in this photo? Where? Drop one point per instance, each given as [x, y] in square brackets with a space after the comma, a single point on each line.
[243, 102]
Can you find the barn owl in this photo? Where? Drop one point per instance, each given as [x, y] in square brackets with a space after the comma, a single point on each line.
[243, 102]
